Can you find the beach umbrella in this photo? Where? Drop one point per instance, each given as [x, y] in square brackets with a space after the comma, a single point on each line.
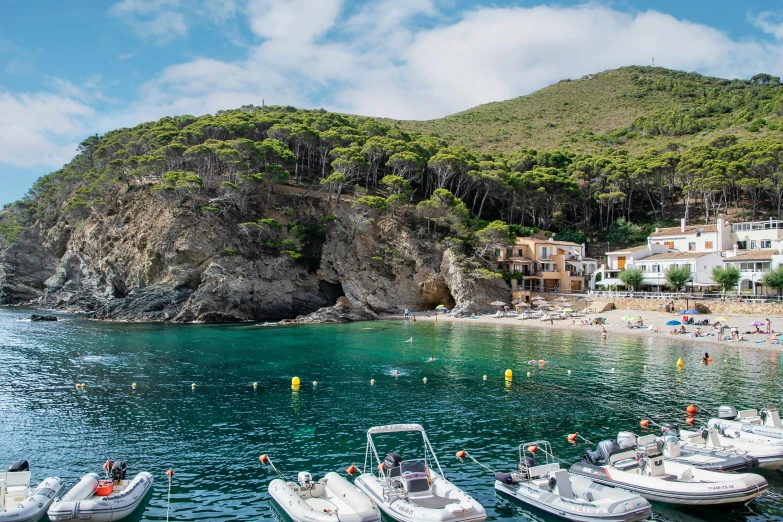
[568, 310]
[692, 311]
[628, 318]
[561, 300]
[673, 323]
[757, 323]
[497, 303]
[722, 319]
[539, 298]
[441, 307]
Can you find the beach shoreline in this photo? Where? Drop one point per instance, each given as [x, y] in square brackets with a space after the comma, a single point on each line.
[616, 326]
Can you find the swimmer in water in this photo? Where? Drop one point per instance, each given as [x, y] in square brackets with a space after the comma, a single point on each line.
[395, 372]
[80, 355]
[409, 340]
[432, 358]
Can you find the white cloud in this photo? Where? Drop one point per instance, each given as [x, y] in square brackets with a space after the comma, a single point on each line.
[157, 20]
[768, 22]
[39, 129]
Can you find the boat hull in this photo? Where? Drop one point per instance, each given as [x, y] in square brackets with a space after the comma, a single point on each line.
[732, 489]
[81, 504]
[587, 512]
[404, 510]
[768, 451]
[360, 507]
[33, 507]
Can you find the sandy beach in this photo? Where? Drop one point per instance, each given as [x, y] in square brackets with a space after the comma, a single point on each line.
[615, 326]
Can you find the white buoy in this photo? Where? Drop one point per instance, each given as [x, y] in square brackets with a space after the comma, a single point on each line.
[315, 383]
[485, 377]
[425, 380]
[372, 381]
[133, 385]
[645, 366]
[528, 374]
[612, 370]
[255, 385]
[569, 372]
[193, 386]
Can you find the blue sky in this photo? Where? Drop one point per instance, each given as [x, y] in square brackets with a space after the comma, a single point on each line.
[75, 68]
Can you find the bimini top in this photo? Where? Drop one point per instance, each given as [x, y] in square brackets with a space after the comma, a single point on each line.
[393, 428]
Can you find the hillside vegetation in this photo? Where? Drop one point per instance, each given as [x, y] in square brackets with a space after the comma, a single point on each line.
[636, 108]
[640, 144]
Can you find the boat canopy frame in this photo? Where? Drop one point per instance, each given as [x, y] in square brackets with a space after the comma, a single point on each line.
[543, 445]
[371, 451]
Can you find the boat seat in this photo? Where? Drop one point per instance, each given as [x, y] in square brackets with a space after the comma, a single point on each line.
[563, 484]
[415, 482]
[395, 472]
[622, 455]
[626, 464]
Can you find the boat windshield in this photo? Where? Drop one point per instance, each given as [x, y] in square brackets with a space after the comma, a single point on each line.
[414, 466]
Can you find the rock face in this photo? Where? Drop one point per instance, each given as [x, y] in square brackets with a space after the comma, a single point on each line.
[472, 292]
[141, 260]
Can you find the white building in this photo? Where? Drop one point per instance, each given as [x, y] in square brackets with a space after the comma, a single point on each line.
[694, 238]
[752, 265]
[628, 257]
[700, 264]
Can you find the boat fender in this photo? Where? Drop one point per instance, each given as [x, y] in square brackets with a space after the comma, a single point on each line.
[505, 478]
[552, 483]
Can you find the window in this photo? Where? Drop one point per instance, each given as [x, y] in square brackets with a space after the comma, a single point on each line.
[509, 252]
[742, 245]
[754, 244]
[669, 244]
[708, 245]
[691, 247]
[497, 252]
[766, 243]
[520, 252]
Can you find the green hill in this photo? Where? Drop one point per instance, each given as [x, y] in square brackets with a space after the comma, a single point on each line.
[635, 108]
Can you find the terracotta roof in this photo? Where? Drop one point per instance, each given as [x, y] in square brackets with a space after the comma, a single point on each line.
[629, 250]
[675, 255]
[752, 255]
[690, 229]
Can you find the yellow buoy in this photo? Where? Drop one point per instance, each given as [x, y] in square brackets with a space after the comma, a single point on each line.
[78, 385]
[133, 385]
[295, 381]
[84, 385]
[509, 375]
[255, 385]
[485, 377]
[679, 362]
[315, 383]
[425, 380]
[372, 381]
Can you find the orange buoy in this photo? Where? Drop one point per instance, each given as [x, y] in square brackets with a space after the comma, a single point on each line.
[691, 409]
[170, 473]
[264, 459]
[352, 469]
[644, 423]
[690, 420]
[532, 449]
[541, 362]
[105, 487]
[108, 465]
[572, 437]
[461, 454]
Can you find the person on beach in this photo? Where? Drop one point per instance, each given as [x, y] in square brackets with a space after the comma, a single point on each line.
[706, 359]
[769, 326]
[603, 332]
[697, 333]
[413, 318]
[682, 329]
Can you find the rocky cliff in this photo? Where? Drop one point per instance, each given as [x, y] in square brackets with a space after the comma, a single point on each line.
[144, 260]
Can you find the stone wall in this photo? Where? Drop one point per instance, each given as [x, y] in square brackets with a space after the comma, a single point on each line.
[709, 307]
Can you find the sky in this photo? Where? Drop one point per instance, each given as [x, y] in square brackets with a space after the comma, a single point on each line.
[71, 69]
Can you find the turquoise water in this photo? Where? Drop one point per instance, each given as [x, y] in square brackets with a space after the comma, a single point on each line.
[212, 436]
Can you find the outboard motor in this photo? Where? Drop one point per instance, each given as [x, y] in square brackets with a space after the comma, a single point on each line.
[524, 465]
[118, 472]
[670, 427]
[392, 460]
[626, 439]
[727, 413]
[19, 465]
[606, 448]
[305, 479]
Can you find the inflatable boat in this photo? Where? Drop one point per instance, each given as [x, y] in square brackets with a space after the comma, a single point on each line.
[765, 423]
[702, 457]
[21, 503]
[768, 451]
[551, 489]
[102, 500]
[414, 490]
[642, 470]
[331, 499]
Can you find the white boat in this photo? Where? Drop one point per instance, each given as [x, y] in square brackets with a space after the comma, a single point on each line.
[414, 490]
[765, 422]
[102, 500]
[768, 451]
[331, 499]
[572, 497]
[678, 450]
[21, 503]
[646, 474]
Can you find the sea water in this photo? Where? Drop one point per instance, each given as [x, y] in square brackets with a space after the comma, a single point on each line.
[212, 435]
